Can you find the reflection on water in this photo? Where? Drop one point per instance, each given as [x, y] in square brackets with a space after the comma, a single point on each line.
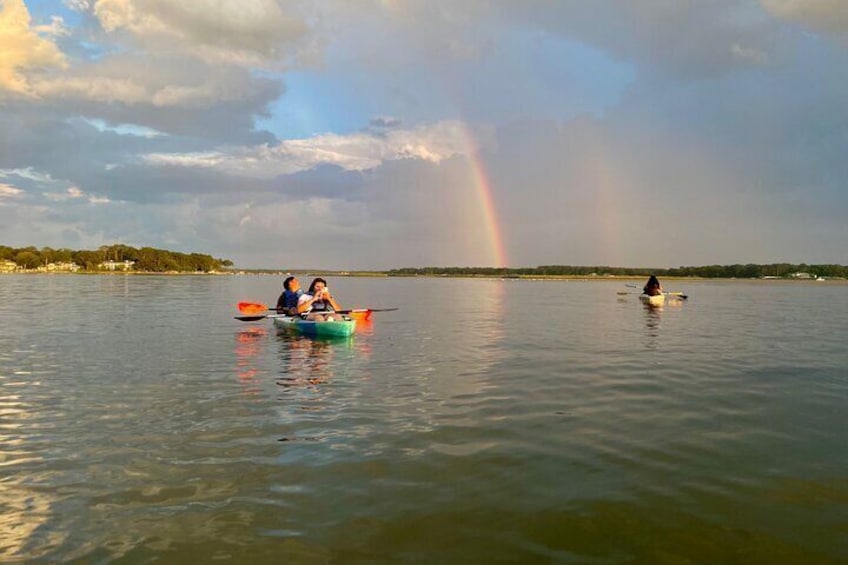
[307, 367]
[24, 506]
[365, 326]
[307, 360]
[653, 317]
[521, 421]
[250, 343]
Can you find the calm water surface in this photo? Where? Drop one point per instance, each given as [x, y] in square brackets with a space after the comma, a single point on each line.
[484, 421]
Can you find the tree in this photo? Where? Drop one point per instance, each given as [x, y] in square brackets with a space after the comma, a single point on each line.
[28, 259]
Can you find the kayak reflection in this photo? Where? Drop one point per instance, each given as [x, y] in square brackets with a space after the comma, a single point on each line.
[308, 360]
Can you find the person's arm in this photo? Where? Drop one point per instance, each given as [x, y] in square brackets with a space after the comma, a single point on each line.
[304, 303]
[332, 301]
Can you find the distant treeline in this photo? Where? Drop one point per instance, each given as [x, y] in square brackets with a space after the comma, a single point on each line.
[145, 259]
[749, 271]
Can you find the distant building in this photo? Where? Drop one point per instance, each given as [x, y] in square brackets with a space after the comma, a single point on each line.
[8, 266]
[116, 265]
[58, 267]
[801, 276]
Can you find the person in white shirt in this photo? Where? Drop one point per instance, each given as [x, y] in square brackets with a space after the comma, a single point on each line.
[317, 303]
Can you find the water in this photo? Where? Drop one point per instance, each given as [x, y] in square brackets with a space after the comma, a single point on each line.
[484, 421]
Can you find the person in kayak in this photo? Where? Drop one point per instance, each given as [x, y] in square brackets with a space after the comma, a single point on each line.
[287, 302]
[652, 287]
[317, 303]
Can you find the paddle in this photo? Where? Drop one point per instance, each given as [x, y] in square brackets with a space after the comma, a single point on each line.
[253, 307]
[678, 294]
[257, 307]
[251, 318]
[675, 294]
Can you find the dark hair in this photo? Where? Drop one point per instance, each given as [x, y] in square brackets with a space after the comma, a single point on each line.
[287, 283]
[312, 284]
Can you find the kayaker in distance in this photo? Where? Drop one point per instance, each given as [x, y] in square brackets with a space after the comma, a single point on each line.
[652, 287]
[287, 302]
[317, 302]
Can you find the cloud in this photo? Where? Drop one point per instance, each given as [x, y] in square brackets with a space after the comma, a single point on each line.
[74, 193]
[38, 187]
[384, 122]
[243, 32]
[56, 28]
[125, 129]
[28, 173]
[829, 16]
[171, 96]
[678, 37]
[23, 50]
[355, 152]
[167, 85]
[9, 191]
[153, 82]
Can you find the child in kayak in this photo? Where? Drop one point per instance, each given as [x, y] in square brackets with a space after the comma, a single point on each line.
[317, 303]
[287, 302]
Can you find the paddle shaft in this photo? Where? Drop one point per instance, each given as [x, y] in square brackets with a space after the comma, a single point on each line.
[258, 317]
[679, 295]
[256, 307]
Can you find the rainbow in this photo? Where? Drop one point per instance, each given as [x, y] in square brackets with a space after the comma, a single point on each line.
[483, 189]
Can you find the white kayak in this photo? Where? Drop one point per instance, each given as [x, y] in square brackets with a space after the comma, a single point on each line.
[656, 300]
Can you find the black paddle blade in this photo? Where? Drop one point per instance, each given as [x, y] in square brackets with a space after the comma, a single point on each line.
[250, 318]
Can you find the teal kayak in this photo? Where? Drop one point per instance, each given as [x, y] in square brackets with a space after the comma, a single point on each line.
[319, 328]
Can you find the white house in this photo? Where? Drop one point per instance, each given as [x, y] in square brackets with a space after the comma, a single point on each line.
[116, 265]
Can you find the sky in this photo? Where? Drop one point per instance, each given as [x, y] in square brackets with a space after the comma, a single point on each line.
[381, 134]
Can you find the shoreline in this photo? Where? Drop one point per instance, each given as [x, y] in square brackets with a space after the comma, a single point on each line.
[348, 274]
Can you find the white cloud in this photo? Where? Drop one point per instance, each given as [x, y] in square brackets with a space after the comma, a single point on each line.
[74, 193]
[28, 173]
[23, 50]
[77, 5]
[9, 191]
[56, 28]
[355, 152]
[45, 180]
[125, 129]
[754, 56]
